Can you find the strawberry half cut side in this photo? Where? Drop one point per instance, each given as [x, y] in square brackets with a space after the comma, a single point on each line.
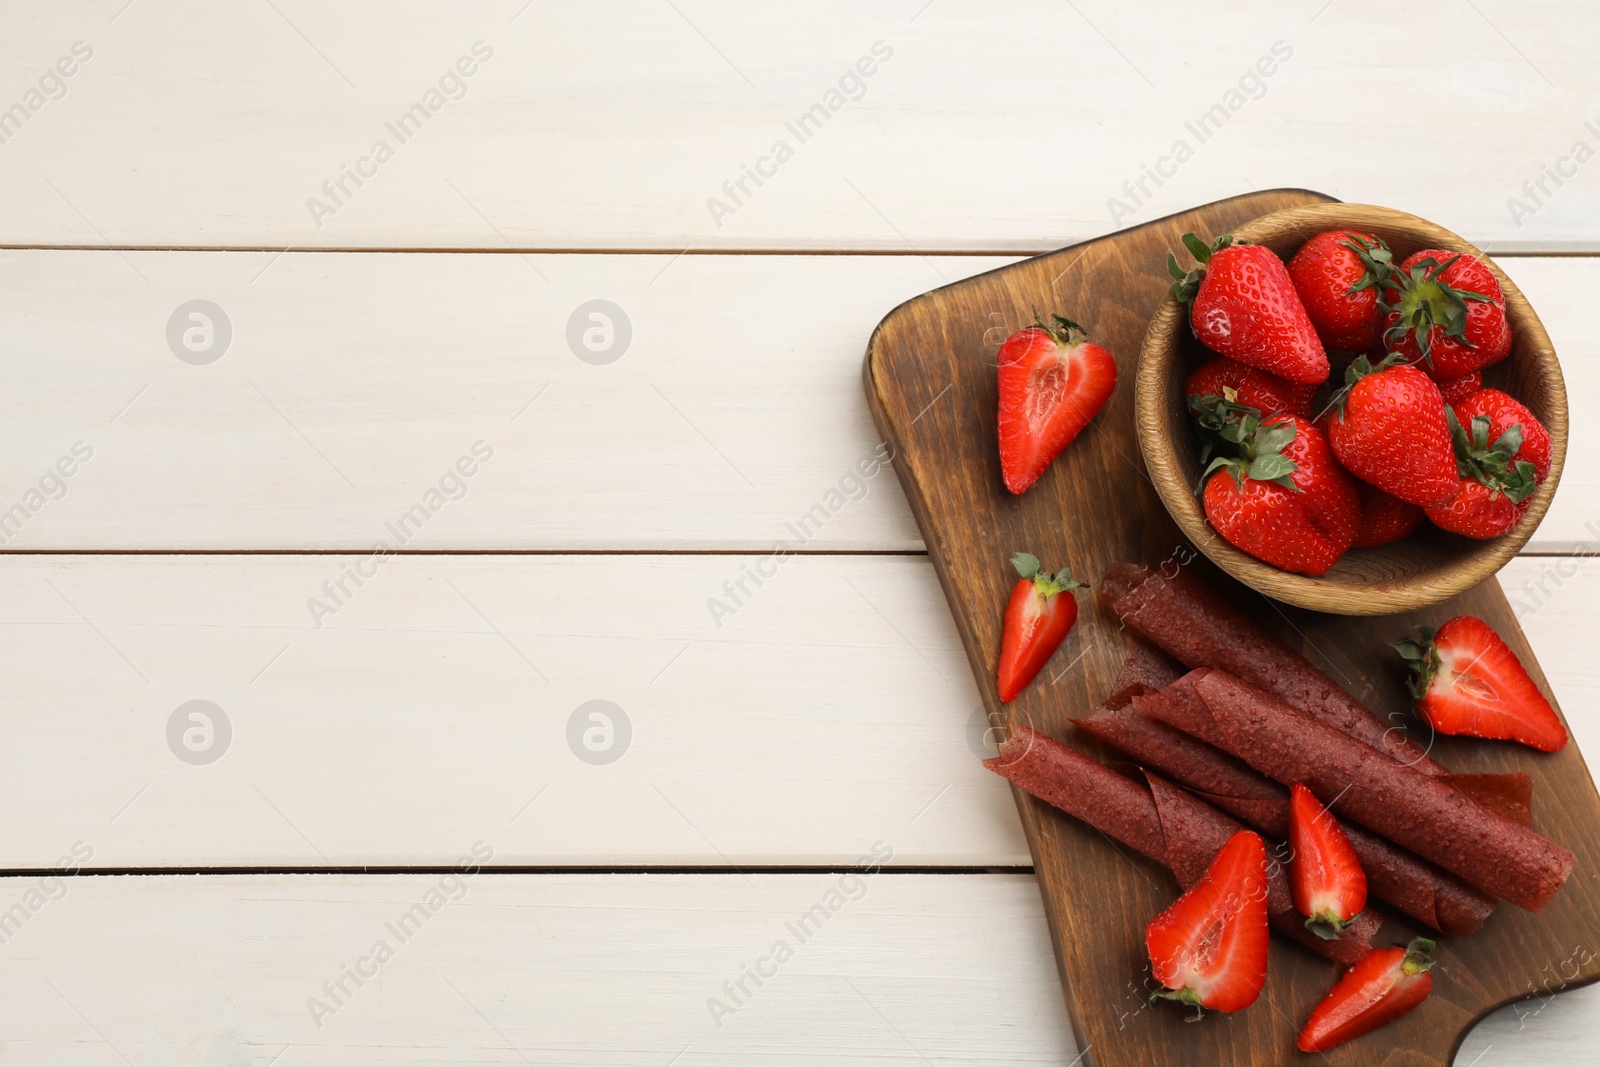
[1467, 681]
[1039, 615]
[1052, 381]
[1209, 949]
[1325, 876]
[1386, 984]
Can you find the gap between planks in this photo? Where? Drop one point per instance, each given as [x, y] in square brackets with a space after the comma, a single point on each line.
[531, 250]
[518, 869]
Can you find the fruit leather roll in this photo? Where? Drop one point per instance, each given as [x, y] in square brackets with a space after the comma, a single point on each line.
[1159, 820]
[1425, 814]
[1412, 885]
[1201, 628]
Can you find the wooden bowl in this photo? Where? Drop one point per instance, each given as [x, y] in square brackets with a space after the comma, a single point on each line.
[1425, 568]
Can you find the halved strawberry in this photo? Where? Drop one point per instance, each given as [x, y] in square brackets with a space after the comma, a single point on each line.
[1339, 276]
[1210, 948]
[1455, 390]
[1503, 412]
[1325, 876]
[1467, 681]
[1245, 306]
[1447, 314]
[1052, 382]
[1386, 984]
[1390, 429]
[1240, 383]
[1495, 480]
[1384, 518]
[1038, 619]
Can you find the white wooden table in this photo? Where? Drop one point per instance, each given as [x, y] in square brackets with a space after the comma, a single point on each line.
[399, 216]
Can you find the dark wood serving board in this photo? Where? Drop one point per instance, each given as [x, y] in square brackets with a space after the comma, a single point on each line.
[930, 376]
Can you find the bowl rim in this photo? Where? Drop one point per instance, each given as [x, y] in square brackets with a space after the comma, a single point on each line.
[1152, 393]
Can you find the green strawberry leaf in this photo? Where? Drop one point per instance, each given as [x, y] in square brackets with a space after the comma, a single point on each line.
[1421, 656]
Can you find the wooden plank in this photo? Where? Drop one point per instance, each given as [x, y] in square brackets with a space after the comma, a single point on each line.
[923, 351]
[833, 708]
[515, 969]
[353, 383]
[511, 969]
[589, 128]
[437, 704]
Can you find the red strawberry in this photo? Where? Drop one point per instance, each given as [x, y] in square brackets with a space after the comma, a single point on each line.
[1495, 480]
[1479, 512]
[1446, 313]
[1384, 518]
[1325, 875]
[1504, 412]
[1455, 390]
[1386, 984]
[1284, 499]
[1210, 948]
[1339, 276]
[1245, 306]
[1052, 382]
[1391, 430]
[1038, 619]
[1467, 681]
[1239, 383]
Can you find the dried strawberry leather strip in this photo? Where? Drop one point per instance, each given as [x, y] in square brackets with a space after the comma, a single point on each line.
[1201, 628]
[1415, 887]
[1419, 812]
[1173, 828]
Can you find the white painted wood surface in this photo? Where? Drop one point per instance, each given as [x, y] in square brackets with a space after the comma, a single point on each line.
[833, 709]
[571, 969]
[564, 969]
[353, 383]
[430, 710]
[610, 126]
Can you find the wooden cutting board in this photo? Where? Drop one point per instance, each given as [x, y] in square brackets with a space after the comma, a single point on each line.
[930, 376]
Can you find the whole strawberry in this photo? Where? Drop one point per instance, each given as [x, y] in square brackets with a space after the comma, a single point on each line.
[1503, 412]
[1339, 276]
[1239, 383]
[1447, 314]
[1283, 499]
[1384, 518]
[1455, 390]
[1052, 381]
[1245, 306]
[1389, 429]
[1495, 482]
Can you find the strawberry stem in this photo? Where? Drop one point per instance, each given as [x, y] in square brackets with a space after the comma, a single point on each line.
[1182, 996]
[1375, 256]
[1422, 656]
[1494, 465]
[1187, 283]
[1327, 926]
[1045, 584]
[1424, 302]
[1062, 329]
[1359, 368]
[1419, 956]
[1257, 447]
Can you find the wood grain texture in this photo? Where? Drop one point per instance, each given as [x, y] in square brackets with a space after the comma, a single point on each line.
[1412, 573]
[930, 378]
[522, 970]
[611, 126]
[406, 723]
[391, 364]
